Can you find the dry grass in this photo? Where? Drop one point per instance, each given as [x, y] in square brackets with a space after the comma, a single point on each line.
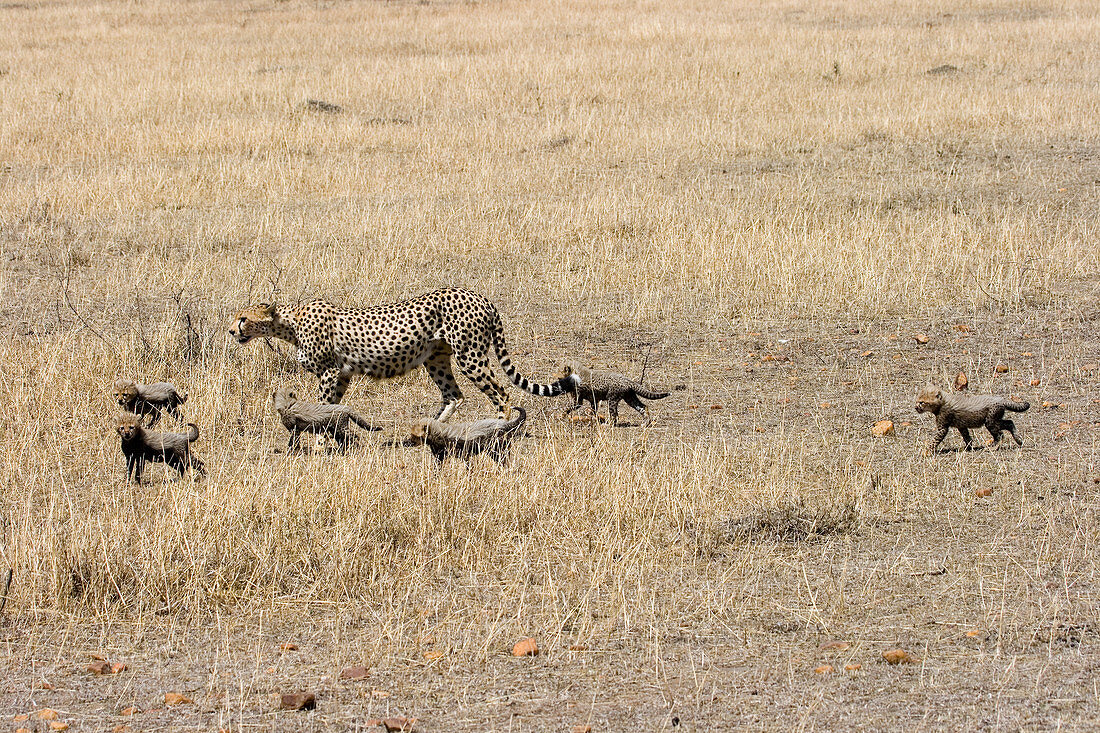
[745, 200]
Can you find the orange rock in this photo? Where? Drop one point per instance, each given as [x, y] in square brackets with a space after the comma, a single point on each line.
[883, 427]
[21, 718]
[961, 382]
[853, 667]
[716, 407]
[398, 725]
[899, 656]
[526, 648]
[121, 728]
[175, 698]
[298, 701]
[826, 405]
[58, 725]
[433, 654]
[582, 728]
[47, 714]
[920, 338]
[824, 669]
[290, 646]
[1001, 368]
[904, 424]
[354, 673]
[973, 633]
[578, 647]
[132, 710]
[1035, 382]
[837, 646]
[22, 730]
[984, 491]
[1026, 353]
[118, 667]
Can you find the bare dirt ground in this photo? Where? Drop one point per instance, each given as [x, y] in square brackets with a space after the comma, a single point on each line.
[767, 205]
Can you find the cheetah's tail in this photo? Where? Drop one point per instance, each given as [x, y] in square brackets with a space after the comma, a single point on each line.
[1016, 406]
[192, 432]
[515, 425]
[541, 390]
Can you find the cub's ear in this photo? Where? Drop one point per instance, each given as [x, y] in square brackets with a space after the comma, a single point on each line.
[292, 395]
[268, 309]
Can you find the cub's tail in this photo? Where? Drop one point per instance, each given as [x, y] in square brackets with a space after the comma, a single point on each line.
[541, 390]
[192, 432]
[1017, 406]
[515, 425]
[361, 422]
[650, 395]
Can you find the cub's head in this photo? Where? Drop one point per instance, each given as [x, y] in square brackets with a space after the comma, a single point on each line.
[418, 435]
[930, 399]
[128, 425]
[255, 320]
[126, 393]
[572, 372]
[283, 398]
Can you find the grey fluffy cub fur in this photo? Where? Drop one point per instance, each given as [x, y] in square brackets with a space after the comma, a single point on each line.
[306, 417]
[968, 411]
[611, 387]
[141, 445]
[149, 399]
[491, 436]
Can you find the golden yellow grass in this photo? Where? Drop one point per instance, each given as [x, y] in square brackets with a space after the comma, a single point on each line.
[684, 186]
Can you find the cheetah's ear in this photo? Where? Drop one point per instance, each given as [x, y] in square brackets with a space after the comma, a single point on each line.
[266, 309]
[292, 395]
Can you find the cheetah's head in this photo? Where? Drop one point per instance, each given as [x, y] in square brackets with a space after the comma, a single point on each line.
[930, 399]
[283, 398]
[572, 373]
[255, 320]
[126, 393]
[418, 435]
[128, 426]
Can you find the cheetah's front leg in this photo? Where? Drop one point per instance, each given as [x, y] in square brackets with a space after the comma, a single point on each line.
[334, 383]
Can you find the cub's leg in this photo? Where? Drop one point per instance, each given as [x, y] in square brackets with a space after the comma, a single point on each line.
[966, 438]
[1011, 428]
[613, 411]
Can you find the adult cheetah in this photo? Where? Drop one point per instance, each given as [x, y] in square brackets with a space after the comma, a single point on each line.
[386, 341]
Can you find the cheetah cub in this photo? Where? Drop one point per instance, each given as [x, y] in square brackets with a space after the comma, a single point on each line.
[149, 399]
[491, 436]
[141, 445]
[611, 387]
[968, 411]
[305, 417]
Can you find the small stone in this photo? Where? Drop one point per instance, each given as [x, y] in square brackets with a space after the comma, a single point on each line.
[47, 714]
[354, 673]
[582, 728]
[1001, 368]
[289, 647]
[853, 667]
[824, 669]
[398, 725]
[132, 710]
[526, 648]
[984, 491]
[175, 698]
[298, 701]
[920, 338]
[837, 646]
[58, 725]
[1035, 382]
[899, 656]
[883, 428]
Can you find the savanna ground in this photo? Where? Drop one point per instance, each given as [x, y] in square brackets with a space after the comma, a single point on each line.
[763, 203]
